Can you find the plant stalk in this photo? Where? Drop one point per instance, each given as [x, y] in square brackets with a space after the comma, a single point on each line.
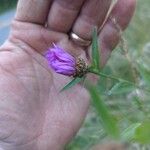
[110, 77]
[91, 70]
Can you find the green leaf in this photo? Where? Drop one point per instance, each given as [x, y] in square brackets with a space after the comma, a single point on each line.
[72, 83]
[107, 120]
[95, 51]
[142, 133]
[128, 134]
[120, 88]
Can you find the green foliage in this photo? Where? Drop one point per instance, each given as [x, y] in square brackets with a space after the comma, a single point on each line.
[120, 88]
[129, 133]
[142, 133]
[7, 4]
[145, 73]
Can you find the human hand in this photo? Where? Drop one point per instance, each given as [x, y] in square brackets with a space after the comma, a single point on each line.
[33, 114]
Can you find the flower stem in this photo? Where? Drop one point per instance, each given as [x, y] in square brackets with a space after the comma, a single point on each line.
[110, 77]
[91, 70]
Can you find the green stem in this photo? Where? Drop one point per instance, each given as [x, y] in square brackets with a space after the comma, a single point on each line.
[91, 70]
[110, 77]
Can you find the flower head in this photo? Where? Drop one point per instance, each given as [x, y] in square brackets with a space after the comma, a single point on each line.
[61, 61]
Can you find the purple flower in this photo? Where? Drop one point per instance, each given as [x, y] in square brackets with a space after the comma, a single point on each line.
[61, 61]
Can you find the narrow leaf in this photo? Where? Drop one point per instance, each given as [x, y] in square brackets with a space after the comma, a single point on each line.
[107, 120]
[95, 51]
[72, 83]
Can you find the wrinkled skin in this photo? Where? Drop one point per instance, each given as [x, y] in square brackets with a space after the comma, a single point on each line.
[33, 114]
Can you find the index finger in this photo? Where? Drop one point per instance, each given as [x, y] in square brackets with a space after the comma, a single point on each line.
[33, 11]
[118, 21]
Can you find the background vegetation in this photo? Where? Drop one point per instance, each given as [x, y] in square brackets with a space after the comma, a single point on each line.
[7, 4]
[129, 106]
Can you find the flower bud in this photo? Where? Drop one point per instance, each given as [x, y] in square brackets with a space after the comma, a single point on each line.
[64, 63]
[60, 61]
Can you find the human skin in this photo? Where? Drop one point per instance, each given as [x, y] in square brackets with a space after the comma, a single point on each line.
[33, 113]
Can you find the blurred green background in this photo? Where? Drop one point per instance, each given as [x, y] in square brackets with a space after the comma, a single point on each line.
[131, 61]
[7, 4]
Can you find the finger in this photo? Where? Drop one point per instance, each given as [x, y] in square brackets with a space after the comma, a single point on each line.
[110, 34]
[33, 11]
[63, 13]
[92, 14]
[39, 38]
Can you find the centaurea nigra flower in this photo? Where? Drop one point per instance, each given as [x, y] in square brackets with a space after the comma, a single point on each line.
[64, 63]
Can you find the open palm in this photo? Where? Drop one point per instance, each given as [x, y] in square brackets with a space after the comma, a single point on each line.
[33, 113]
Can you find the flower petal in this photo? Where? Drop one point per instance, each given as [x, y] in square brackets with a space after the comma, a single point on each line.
[62, 55]
[61, 61]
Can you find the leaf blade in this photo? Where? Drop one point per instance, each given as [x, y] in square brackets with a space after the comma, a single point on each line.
[95, 50]
[72, 83]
